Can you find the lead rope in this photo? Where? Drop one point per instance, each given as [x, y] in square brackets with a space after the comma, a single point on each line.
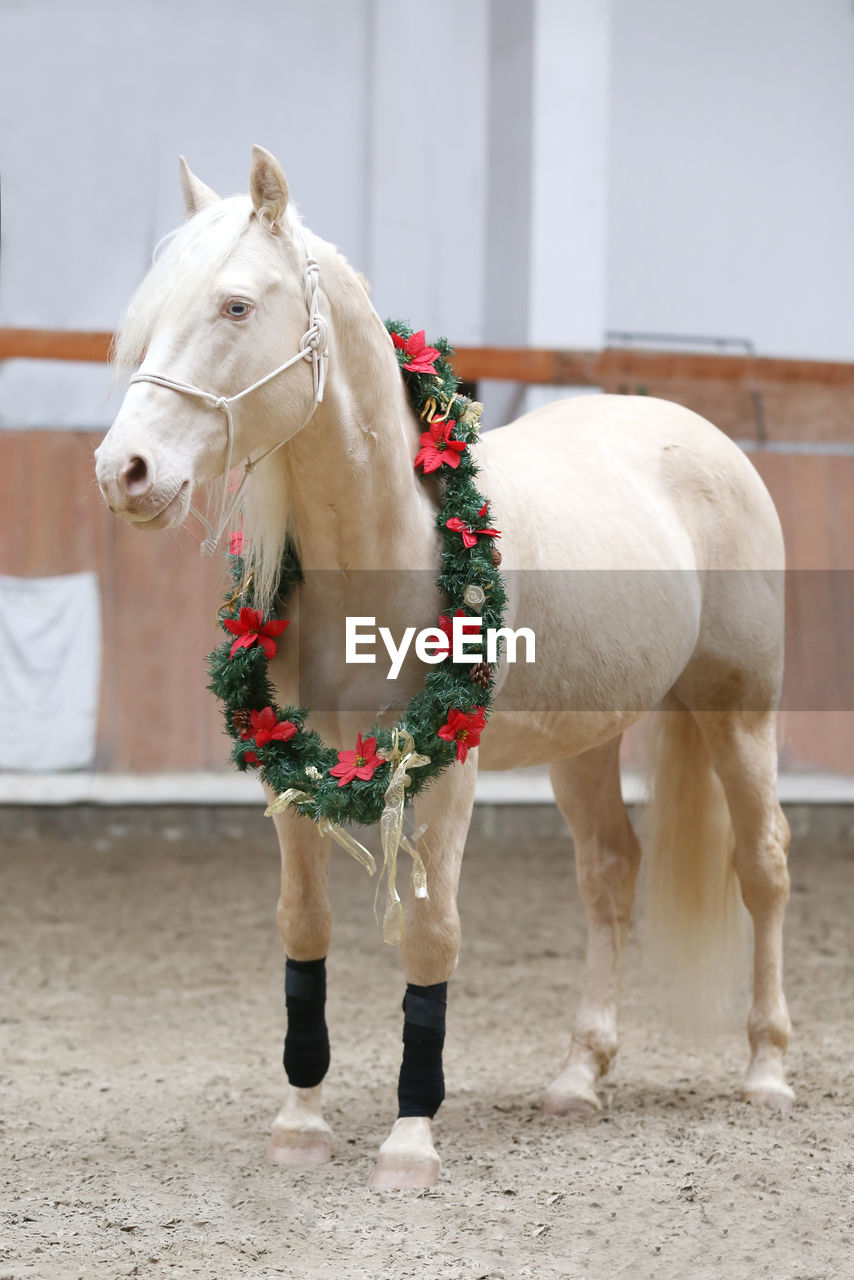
[314, 345]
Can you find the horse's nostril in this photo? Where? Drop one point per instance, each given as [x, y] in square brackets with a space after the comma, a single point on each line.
[136, 477]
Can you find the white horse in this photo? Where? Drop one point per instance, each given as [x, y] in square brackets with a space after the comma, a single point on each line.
[601, 482]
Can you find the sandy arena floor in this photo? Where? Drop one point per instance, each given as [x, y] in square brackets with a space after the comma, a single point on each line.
[141, 1029]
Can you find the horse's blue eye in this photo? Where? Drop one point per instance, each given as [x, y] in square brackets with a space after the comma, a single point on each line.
[237, 309]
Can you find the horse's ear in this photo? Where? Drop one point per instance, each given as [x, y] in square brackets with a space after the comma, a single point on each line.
[196, 194]
[268, 187]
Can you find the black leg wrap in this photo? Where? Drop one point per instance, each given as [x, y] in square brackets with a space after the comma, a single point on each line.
[306, 1040]
[421, 1089]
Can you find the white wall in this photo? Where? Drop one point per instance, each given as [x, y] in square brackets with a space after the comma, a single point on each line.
[547, 184]
[379, 134]
[427, 164]
[503, 170]
[732, 171]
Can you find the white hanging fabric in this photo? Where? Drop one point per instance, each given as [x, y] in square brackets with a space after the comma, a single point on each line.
[50, 671]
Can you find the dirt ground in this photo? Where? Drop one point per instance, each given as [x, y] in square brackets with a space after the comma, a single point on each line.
[141, 1025]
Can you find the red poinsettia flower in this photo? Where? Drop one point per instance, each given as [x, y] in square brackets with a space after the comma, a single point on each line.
[470, 535]
[421, 356]
[446, 625]
[264, 728]
[235, 543]
[463, 729]
[437, 447]
[361, 763]
[250, 628]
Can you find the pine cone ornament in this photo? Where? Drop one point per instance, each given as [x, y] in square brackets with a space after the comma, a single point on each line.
[241, 721]
[495, 555]
[481, 675]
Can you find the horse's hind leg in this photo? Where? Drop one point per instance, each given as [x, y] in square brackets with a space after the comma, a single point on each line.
[607, 855]
[743, 748]
[300, 1135]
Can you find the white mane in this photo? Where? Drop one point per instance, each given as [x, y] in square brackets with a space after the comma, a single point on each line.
[189, 259]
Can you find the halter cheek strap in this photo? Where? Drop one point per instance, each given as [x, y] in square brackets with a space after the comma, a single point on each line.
[313, 347]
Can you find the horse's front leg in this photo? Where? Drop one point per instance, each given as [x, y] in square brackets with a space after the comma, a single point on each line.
[300, 1134]
[429, 950]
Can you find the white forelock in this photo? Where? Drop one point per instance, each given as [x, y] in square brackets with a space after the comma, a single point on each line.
[185, 264]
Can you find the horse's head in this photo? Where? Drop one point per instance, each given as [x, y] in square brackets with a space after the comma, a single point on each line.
[227, 302]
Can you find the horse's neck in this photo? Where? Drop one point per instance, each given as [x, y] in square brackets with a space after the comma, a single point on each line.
[356, 502]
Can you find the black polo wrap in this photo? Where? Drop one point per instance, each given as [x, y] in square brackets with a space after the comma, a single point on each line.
[421, 1088]
[306, 1039]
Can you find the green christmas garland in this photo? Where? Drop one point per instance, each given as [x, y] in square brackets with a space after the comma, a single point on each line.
[455, 697]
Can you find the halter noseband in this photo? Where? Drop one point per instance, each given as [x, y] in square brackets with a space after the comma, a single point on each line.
[313, 346]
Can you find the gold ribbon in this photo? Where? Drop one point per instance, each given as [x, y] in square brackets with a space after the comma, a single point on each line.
[242, 587]
[473, 414]
[403, 756]
[470, 417]
[326, 828]
[430, 409]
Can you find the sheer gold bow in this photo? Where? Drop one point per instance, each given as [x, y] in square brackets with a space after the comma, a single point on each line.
[293, 795]
[403, 757]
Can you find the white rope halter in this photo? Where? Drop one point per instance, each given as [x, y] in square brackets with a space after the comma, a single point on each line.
[313, 346]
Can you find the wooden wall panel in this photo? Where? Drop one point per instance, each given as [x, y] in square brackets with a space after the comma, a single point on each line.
[814, 495]
[780, 411]
[162, 627]
[14, 453]
[159, 599]
[54, 522]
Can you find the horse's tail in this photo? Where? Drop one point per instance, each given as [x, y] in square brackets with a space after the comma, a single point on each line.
[694, 934]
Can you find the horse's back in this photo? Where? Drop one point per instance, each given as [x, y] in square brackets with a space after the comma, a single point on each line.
[632, 482]
[644, 549]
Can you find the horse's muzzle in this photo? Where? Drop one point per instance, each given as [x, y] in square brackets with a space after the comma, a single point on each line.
[132, 489]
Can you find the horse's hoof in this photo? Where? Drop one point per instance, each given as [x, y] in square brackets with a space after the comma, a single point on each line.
[765, 1086]
[300, 1140]
[407, 1159]
[292, 1147]
[779, 1098]
[572, 1095]
[574, 1106]
[399, 1173]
